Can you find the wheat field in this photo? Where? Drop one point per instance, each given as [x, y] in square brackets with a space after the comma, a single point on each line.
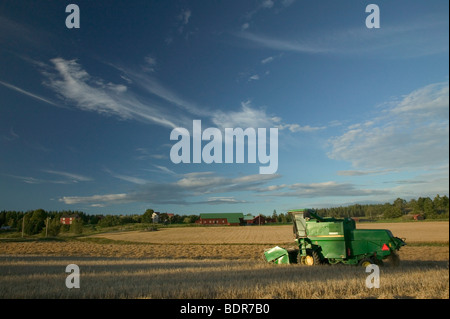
[413, 232]
[215, 263]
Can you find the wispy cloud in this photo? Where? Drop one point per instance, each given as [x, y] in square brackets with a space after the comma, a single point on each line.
[222, 200]
[96, 200]
[283, 45]
[267, 60]
[413, 133]
[299, 128]
[182, 191]
[267, 4]
[127, 178]
[151, 85]
[10, 136]
[165, 169]
[34, 96]
[363, 172]
[412, 40]
[150, 64]
[324, 189]
[185, 15]
[67, 178]
[72, 177]
[249, 116]
[70, 81]
[145, 154]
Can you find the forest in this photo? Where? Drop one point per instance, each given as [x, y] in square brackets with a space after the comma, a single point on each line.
[48, 222]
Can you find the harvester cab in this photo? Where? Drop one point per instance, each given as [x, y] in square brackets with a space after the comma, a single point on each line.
[329, 240]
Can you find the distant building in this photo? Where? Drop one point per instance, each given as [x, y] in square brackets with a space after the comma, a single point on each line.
[155, 217]
[68, 219]
[249, 218]
[259, 220]
[228, 219]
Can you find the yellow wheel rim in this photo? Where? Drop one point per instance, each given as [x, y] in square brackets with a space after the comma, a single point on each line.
[309, 260]
[366, 263]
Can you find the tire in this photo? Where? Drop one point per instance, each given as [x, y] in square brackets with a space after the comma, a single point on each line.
[312, 258]
[366, 261]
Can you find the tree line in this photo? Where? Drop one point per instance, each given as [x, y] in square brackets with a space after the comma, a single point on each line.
[437, 208]
[37, 221]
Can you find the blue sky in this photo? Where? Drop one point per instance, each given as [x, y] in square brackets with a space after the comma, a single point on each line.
[86, 114]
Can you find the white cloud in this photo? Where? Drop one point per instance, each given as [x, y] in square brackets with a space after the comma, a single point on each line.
[75, 85]
[223, 200]
[267, 4]
[67, 178]
[73, 177]
[431, 100]
[95, 200]
[185, 15]
[127, 178]
[165, 169]
[153, 86]
[363, 172]
[34, 96]
[287, 3]
[267, 60]
[11, 136]
[283, 45]
[412, 134]
[246, 117]
[181, 191]
[298, 128]
[324, 189]
[150, 63]
[249, 116]
[413, 40]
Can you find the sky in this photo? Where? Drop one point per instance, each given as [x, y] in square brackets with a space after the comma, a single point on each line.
[86, 114]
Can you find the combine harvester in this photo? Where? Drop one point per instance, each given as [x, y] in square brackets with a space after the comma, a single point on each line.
[332, 241]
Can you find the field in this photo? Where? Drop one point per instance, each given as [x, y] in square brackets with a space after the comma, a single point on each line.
[216, 263]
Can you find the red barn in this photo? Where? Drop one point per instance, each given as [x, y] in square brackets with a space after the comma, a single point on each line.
[229, 219]
[68, 219]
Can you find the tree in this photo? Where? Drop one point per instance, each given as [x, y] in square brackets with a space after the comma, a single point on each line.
[164, 218]
[400, 204]
[428, 208]
[34, 221]
[77, 226]
[109, 220]
[275, 215]
[54, 227]
[147, 216]
[187, 220]
[392, 211]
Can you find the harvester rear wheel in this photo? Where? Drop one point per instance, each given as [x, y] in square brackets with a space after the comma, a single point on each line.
[366, 262]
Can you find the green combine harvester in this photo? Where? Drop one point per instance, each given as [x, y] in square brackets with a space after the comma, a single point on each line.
[332, 241]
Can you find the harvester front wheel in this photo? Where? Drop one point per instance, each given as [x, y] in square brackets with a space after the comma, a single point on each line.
[312, 258]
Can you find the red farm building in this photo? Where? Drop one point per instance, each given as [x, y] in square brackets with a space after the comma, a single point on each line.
[68, 219]
[228, 219]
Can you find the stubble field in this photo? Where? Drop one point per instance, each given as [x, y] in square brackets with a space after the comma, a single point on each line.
[216, 262]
